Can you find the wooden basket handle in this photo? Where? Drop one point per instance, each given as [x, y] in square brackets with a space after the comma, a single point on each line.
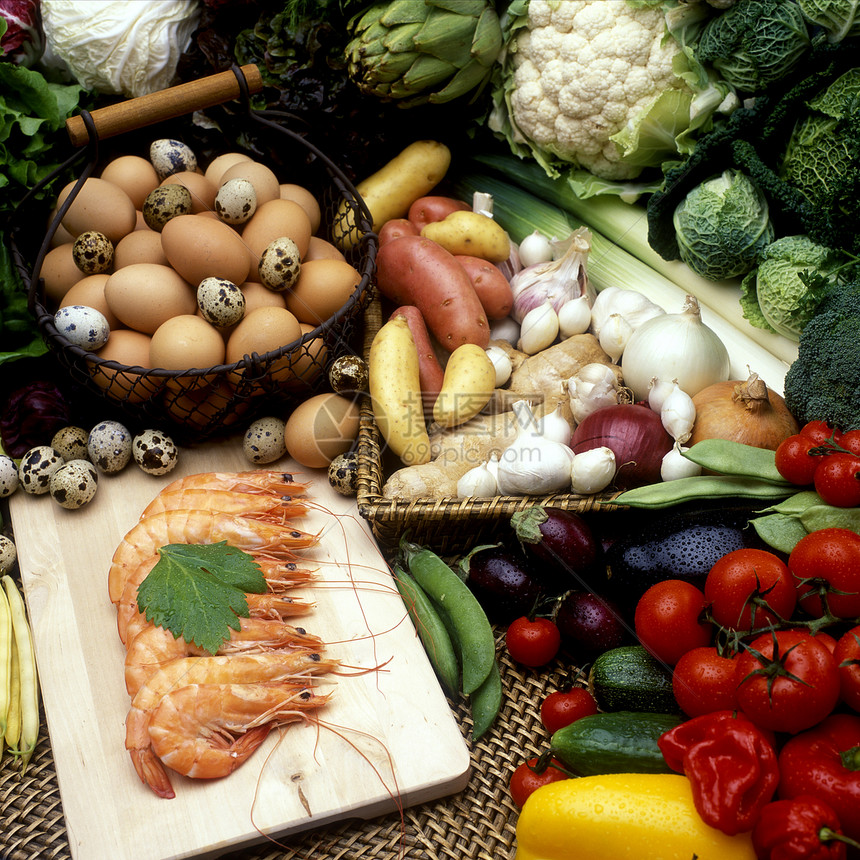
[164, 104]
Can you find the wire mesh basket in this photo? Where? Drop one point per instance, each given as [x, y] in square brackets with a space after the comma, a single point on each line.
[197, 403]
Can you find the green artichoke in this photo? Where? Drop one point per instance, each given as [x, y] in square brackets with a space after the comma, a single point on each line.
[424, 52]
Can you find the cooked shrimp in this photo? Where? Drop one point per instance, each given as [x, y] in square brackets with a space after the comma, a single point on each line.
[253, 481]
[259, 506]
[207, 730]
[154, 646]
[298, 667]
[201, 527]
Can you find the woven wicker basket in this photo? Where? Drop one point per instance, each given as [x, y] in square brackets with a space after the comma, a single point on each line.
[198, 403]
[447, 525]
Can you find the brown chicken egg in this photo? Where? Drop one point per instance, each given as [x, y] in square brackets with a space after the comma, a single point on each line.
[322, 249]
[101, 206]
[259, 296]
[184, 342]
[305, 199]
[134, 174]
[144, 295]
[140, 246]
[261, 331]
[266, 185]
[90, 291]
[201, 189]
[129, 348]
[319, 429]
[222, 163]
[271, 221]
[323, 288]
[60, 272]
[308, 361]
[200, 247]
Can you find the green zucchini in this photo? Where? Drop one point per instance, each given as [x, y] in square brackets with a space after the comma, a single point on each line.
[619, 742]
[629, 678]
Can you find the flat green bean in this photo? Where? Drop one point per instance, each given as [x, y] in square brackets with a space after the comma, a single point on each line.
[486, 701]
[431, 630]
[472, 632]
[665, 494]
[779, 531]
[736, 459]
[829, 517]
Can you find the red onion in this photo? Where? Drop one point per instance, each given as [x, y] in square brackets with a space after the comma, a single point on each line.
[635, 435]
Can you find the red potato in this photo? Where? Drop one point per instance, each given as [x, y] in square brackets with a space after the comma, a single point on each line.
[412, 270]
[430, 372]
[492, 287]
[396, 227]
[434, 208]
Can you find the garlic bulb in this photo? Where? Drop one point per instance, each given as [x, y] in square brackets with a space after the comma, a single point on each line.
[614, 335]
[574, 317]
[675, 465]
[539, 329]
[557, 281]
[554, 426]
[592, 471]
[675, 346]
[594, 386]
[630, 304]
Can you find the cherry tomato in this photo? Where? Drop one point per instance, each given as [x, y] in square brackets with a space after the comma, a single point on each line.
[828, 560]
[703, 681]
[793, 460]
[821, 432]
[532, 641]
[669, 619]
[837, 480]
[847, 656]
[787, 681]
[826, 640]
[850, 441]
[749, 589]
[525, 780]
[563, 707]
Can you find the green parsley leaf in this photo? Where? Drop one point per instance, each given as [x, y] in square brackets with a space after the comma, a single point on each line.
[197, 591]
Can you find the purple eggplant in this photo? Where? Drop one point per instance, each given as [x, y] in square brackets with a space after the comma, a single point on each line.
[502, 580]
[563, 543]
[590, 624]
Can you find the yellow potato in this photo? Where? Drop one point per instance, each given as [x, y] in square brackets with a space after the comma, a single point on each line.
[472, 234]
[390, 191]
[395, 392]
[468, 385]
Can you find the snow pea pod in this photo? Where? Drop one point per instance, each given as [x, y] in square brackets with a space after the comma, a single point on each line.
[471, 629]
[668, 493]
[735, 458]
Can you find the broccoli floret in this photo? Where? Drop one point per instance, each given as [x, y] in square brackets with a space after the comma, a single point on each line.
[824, 381]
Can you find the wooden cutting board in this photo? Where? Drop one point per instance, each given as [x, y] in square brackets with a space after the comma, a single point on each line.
[389, 736]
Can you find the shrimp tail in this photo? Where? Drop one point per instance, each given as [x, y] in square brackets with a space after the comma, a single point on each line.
[151, 772]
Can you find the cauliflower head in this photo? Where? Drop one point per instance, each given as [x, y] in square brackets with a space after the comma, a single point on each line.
[590, 83]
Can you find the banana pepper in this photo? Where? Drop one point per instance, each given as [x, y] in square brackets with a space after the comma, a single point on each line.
[622, 815]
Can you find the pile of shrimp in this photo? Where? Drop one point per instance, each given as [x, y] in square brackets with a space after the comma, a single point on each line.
[203, 715]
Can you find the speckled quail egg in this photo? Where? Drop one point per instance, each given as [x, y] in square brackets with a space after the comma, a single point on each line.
[236, 201]
[170, 156]
[93, 252]
[74, 484]
[164, 203]
[221, 302]
[348, 373]
[280, 264]
[83, 326]
[71, 442]
[36, 468]
[343, 473]
[9, 480]
[8, 553]
[264, 440]
[109, 446]
[155, 452]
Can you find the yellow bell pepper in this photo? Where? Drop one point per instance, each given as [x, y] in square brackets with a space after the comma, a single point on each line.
[647, 816]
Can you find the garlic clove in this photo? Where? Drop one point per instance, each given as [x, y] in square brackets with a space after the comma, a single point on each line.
[675, 465]
[539, 329]
[574, 317]
[535, 248]
[502, 364]
[678, 413]
[592, 471]
[614, 336]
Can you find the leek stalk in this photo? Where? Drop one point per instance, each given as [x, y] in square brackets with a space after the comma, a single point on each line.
[609, 265]
[626, 225]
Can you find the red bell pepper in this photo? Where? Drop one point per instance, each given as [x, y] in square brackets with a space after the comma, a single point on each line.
[804, 828]
[825, 761]
[731, 765]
